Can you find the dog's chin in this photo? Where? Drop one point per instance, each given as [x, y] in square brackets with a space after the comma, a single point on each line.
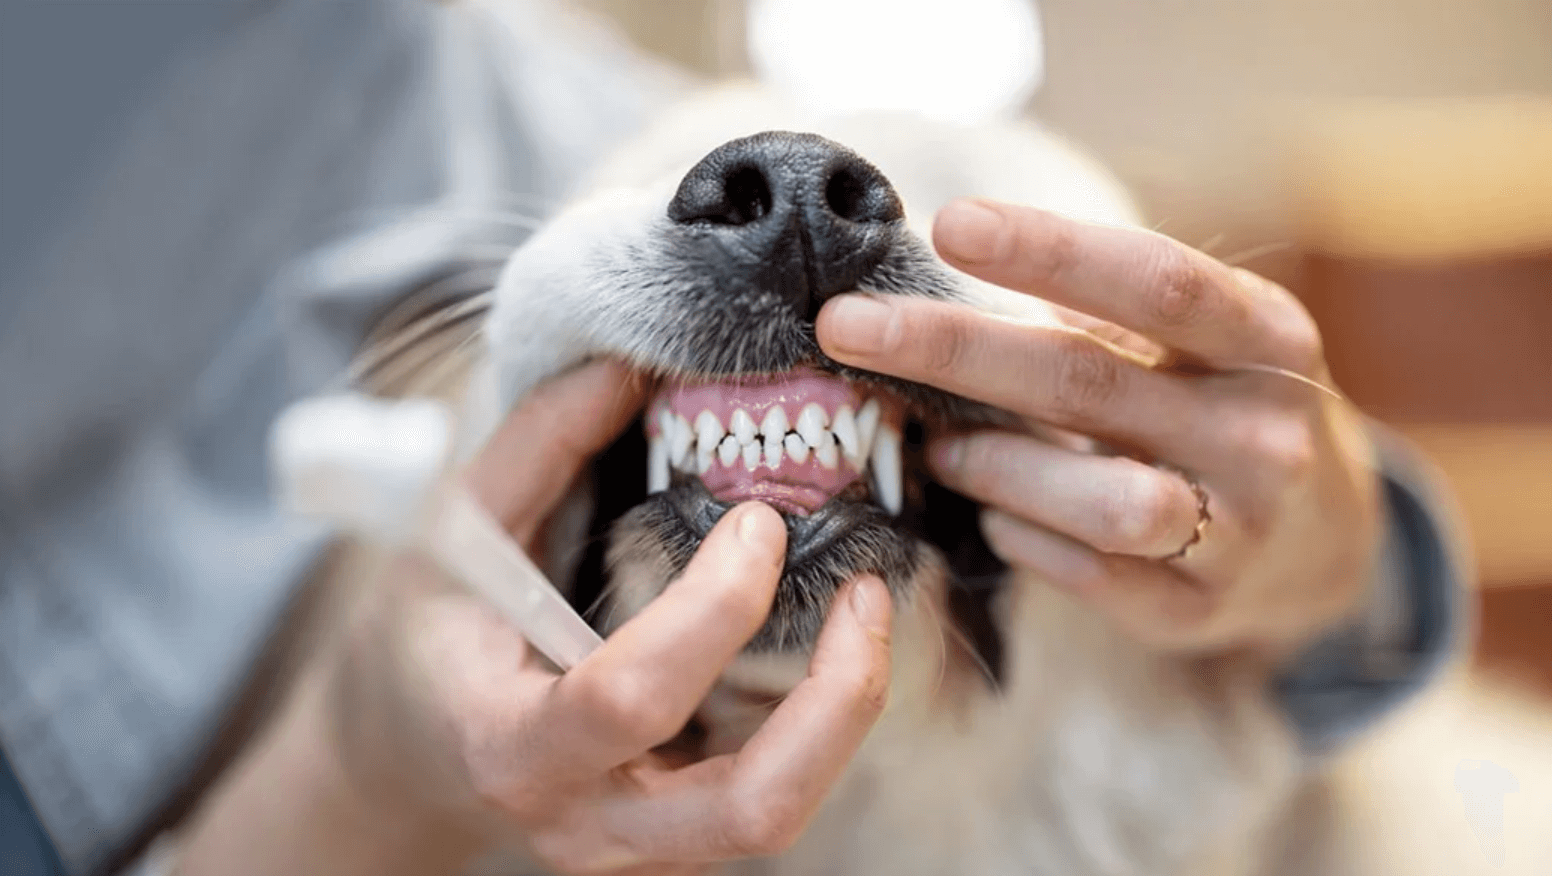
[848, 536]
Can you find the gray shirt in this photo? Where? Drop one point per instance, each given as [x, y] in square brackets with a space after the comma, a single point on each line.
[287, 184]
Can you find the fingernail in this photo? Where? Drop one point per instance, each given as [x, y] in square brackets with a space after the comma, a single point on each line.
[858, 324]
[749, 526]
[969, 231]
[948, 454]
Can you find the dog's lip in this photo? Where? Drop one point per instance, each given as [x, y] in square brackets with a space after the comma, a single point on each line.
[807, 534]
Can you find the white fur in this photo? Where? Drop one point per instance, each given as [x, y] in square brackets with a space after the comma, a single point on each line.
[1098, 758]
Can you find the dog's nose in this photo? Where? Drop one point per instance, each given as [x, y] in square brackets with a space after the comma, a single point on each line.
[792, 214]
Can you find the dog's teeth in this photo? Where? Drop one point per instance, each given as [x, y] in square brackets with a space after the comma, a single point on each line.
[742, 425]
[826, 451]
[773, 449]
[680, 437]
[845, 428]
[657, 464]
[811, 424]
[708, 432]
[867, 424]
[703, 459]
[797, 448]
[886, 469]
[774, 424]
[752, 454]
[727, 451]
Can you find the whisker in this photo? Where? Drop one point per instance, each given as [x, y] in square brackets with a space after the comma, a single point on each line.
[1212, 243]
[1255, 252]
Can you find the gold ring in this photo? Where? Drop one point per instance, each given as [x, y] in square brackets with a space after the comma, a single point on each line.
[1203, 514]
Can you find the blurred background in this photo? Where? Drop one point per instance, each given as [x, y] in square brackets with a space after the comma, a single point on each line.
[1389, 160]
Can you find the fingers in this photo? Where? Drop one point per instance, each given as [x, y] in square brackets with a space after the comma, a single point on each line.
[639, 689]
[1151, 602]
[1138, 279]
[1112, 504]
[758, 801]
[531, 460]
[1060, 376]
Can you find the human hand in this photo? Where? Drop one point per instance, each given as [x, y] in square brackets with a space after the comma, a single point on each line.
[439, 702]
[1172, 355]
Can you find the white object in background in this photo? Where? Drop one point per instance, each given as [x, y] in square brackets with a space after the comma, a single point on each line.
[376, 467]
[965, 61]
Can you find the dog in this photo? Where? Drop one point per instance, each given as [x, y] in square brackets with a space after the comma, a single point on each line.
[1023, 735]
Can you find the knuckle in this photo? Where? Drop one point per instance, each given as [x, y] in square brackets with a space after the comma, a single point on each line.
[1140, 515]
[628, 706]
[765, 824]
[1285, 449]
[1182, 290]
[948, 343]
[1087, 377]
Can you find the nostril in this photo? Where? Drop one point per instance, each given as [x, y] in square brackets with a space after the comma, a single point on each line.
[723, 193]
[748, 197]
[844, 195]
[861, 195]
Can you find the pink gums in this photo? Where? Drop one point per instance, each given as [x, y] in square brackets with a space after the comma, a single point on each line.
[795, 488]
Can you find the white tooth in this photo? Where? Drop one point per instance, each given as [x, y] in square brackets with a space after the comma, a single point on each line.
[886, 469]
[867, 424]
[680, 437]
[811, 423]
[657, 464]
[845, 428]
[773, 449]
[727, 451]
[775, 424]
[742, 425]
[796, 448]
[752, 455]
[827, 453]
[708, 432]
[703, 459]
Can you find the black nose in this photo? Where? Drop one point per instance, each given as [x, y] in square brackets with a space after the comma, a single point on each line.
[795, 215]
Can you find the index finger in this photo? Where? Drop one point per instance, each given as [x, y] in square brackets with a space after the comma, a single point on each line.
[640, 687]
[1138, 279]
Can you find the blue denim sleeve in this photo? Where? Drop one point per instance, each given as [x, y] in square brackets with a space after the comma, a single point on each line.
[25, 847]
[1412, 625]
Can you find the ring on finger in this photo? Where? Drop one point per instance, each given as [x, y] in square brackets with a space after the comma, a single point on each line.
[1203, 514]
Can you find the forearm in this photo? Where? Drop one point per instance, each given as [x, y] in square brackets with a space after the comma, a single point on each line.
[290, 807]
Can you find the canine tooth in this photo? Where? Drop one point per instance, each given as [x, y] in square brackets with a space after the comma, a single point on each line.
[703, 459]
[774, 424]
[657, 465]
[845, 428]
[708, 431]
[752, 455]
[680, 437]
[773, 449]
[826, 452]
[742, 425]
[867, 425]
[886, 469]
[727, 451]
[811, 423]
[797, 448]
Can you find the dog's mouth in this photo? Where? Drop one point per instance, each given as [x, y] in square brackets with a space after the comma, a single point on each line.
[797, 440]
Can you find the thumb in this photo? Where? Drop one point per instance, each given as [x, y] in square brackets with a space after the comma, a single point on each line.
[534, 456]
